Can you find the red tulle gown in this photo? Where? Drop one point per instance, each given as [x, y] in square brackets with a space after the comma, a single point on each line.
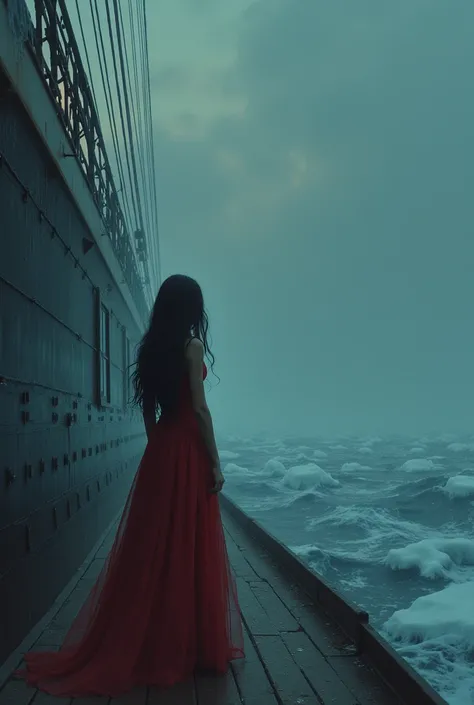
[165, 604]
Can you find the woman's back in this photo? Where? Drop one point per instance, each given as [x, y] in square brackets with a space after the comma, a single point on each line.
[165, 603]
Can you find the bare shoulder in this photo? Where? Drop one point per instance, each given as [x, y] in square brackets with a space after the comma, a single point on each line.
[195, 350]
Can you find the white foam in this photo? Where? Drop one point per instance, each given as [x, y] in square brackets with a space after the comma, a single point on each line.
[234, 469]
[459, 486]
[338, 447]
[365, 450]
[433, 557]
[449, 611]
[436, 634]
[353, 467]
[320, 454]
[417, 450]
[274, 468]
[461, 447]
[306, 477]
[418, 465]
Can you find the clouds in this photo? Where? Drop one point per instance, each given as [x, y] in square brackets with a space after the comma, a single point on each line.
[314, 173]
[326, 211]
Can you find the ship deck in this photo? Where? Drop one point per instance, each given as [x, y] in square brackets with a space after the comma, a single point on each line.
[295, 653]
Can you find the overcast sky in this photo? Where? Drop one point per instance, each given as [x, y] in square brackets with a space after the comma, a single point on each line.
[315, 172]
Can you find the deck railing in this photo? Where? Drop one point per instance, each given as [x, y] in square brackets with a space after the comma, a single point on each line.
[52, 43]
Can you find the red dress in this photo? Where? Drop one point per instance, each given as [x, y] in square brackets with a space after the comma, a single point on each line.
[165, 604]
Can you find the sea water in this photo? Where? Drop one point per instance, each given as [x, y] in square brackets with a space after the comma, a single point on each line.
[389, 522]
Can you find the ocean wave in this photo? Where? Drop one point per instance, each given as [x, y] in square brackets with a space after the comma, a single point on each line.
[310, 476]
[433, 557]
[360, 534]
[228, 455]
[419, 465]
[459, 487]
[436, 635]
[398, 524]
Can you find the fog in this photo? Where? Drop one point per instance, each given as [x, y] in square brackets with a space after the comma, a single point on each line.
[315, 174]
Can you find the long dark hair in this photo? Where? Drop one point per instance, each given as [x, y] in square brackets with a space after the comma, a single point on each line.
[178, 315]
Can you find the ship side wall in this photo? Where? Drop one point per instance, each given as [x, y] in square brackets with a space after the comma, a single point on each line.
[70, 443]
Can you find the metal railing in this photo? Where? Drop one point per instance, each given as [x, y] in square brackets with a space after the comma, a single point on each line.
[52, 42]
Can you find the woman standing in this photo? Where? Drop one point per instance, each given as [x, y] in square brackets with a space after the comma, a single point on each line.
[165, 604]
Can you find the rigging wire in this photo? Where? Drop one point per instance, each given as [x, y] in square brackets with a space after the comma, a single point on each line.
[138, 218]
[110, 113]
[134, 105]
[128, 115]
[152, 150]
[145, 138]
[91, 80]
[147, 128]
[139, 143]
[154, 237]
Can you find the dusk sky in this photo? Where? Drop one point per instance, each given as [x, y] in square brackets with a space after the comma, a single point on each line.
[315, 174]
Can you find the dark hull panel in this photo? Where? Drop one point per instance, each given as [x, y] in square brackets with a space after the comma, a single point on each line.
[69, 442]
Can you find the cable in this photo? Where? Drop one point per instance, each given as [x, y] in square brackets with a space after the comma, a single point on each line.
[138, 219]
[87, 55]
[152, 149]
[149, 182]
[127, 111]
[135, 105]
[108, 101]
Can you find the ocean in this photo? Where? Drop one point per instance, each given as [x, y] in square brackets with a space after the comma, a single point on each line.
[389, 522]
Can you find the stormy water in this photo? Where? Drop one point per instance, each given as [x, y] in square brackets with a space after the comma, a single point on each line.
[389, 522]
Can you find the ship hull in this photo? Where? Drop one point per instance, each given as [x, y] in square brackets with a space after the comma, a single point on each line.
[69, 441]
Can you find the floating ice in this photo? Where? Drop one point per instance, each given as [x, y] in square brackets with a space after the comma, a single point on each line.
[433, 557]
[274, 468]
[228, 455]
[459, 486]
[461, 447]
[234, 469]
[305, 477]
[320, 454]
[353, 467]
[418, 465]
[417, 450]
[447, 612]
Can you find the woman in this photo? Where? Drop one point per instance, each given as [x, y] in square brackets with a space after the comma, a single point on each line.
[165, 604]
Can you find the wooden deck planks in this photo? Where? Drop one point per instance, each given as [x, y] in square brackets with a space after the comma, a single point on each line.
[251, 678]
[323, 678]
[137, 696]
[180, 694]
[285, 675]
[325, 634]
[328, 659]
[220, 690]
[16, 692]
[293, 653]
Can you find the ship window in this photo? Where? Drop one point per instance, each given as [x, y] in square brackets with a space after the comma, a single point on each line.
[104, 355]
[127, 386]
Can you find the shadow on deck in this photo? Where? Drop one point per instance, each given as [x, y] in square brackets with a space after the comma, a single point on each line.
[295, 654]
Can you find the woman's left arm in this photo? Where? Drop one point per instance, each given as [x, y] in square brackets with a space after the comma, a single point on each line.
[149, 417]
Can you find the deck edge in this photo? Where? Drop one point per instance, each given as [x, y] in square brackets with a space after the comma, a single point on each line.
[397, 673]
